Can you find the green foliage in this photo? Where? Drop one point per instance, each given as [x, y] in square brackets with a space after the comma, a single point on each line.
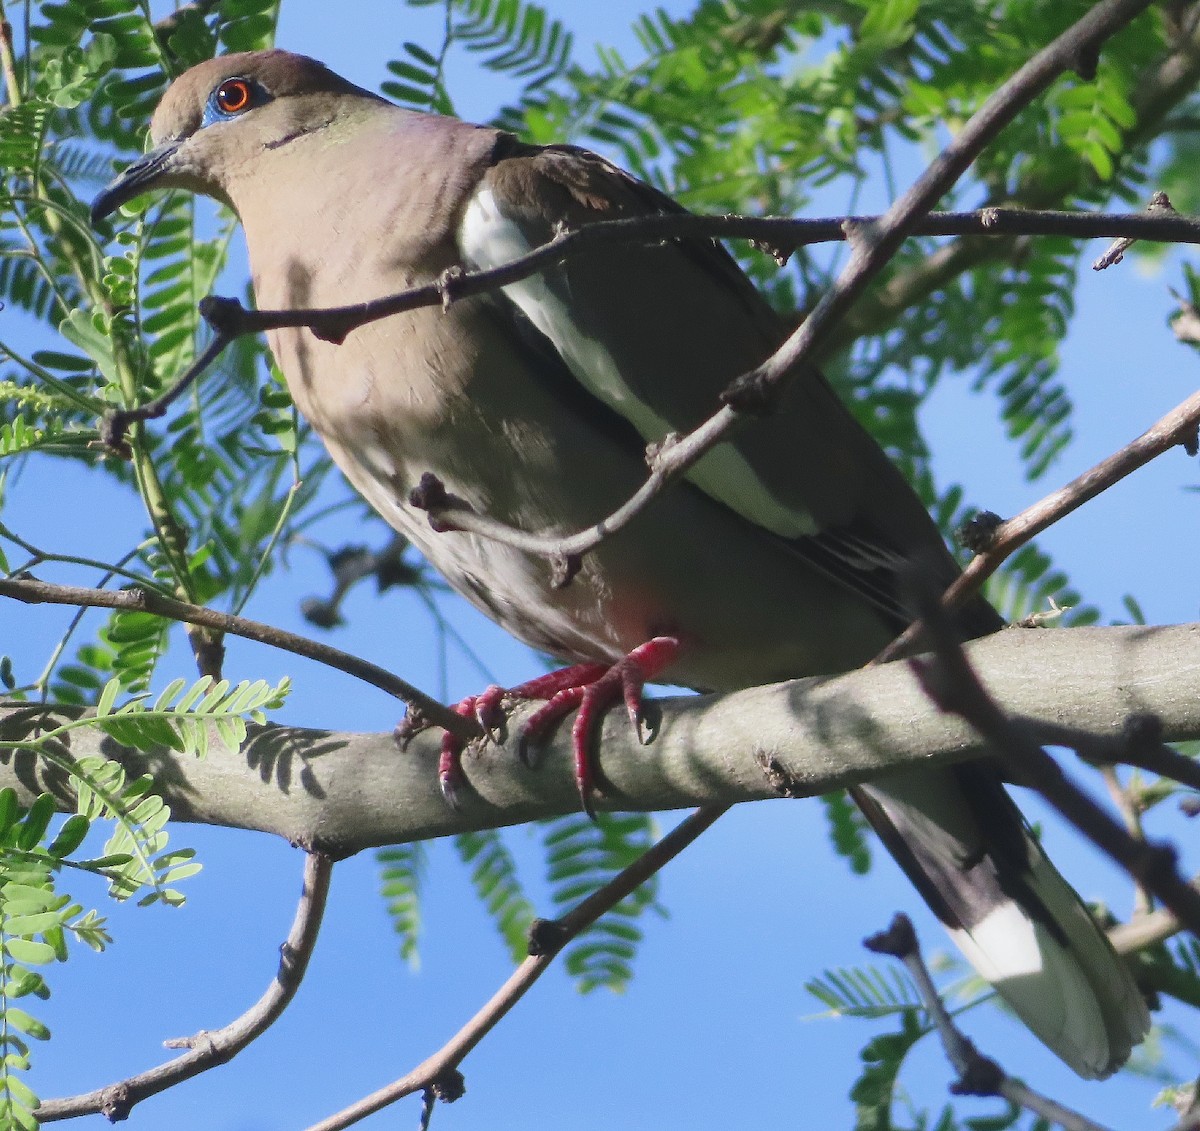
[865, 991]
[848, 831]
[743, 106]
[402, 869]
[581, 856]
[494, 876]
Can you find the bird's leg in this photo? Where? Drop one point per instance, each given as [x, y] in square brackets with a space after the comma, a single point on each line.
[487, 710]
[590, 687]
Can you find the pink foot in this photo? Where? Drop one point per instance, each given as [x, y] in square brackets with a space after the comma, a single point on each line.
[485, 709]
[593, 688]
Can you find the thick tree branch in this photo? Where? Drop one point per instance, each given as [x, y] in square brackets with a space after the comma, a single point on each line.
[341, 793]
[952, 682]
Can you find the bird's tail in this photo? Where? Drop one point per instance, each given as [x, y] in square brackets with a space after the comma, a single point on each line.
[964, 845]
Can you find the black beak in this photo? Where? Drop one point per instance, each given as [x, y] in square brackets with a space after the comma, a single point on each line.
[140, 177]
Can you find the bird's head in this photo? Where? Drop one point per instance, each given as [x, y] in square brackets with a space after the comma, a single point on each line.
[219, 118]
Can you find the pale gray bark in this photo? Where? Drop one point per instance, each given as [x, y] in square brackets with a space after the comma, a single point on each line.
[346, 792]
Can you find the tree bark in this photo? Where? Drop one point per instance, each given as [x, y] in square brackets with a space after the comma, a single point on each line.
[343, 792]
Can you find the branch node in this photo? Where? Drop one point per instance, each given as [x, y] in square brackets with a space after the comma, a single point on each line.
[449, 284]
[989, 217]
[430, 495]
[113, 426]
[137, 598]
[546, 937]
[978, 533]
[658, 450]
[861, 235]
[779, 778]
[899, 940]
[563, 568]
[227, 317]
[753, 393]
[116, 1103]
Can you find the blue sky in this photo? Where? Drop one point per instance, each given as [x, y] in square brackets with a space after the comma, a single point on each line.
[716, 1029]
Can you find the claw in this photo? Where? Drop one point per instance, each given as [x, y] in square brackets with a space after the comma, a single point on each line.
[489, 712]
[450, 776]
[451, 779]
[592, 688]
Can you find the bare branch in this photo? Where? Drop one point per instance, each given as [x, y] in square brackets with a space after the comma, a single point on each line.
[213, 1047]
[978, 1075]
[1178, 427]
[33, 592]
[548, 939]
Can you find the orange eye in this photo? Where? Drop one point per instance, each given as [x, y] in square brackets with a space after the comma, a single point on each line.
[233, 96]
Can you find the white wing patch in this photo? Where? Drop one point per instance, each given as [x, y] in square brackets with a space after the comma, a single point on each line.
[489, 239]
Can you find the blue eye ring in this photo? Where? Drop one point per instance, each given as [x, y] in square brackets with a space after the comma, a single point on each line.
[233, 97]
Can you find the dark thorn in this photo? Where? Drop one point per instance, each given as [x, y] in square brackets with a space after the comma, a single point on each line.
[979, 531]
[982, 1076]
[113, 426]
[1087, 61]
[546, 936]
[429, 493]
[751, 393]
[321, 613]
[448, 1085]
[899, 940]
[1191, 442]
[1155, 862]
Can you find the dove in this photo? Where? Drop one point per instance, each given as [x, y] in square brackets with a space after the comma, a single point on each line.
[779, 555]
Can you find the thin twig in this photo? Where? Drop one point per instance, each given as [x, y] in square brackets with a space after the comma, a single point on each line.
[1177, 427]
[978, 1075]
[8, 60]
[34, 592]
[230, 319]
[551, 937]
[213, 1047]
[782, 232]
